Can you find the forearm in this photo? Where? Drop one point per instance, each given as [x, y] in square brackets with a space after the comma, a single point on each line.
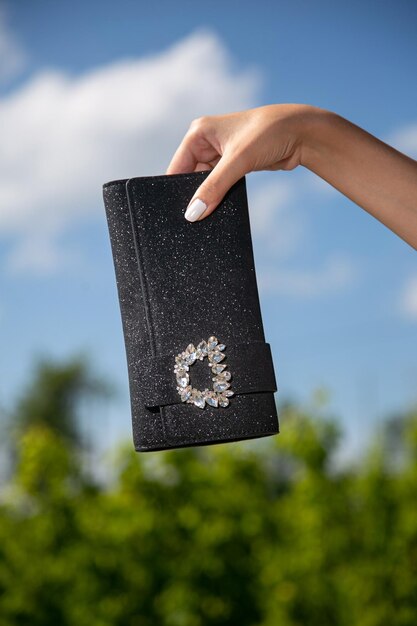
[374, 175]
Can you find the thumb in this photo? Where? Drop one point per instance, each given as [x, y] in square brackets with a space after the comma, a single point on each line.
[210, 193]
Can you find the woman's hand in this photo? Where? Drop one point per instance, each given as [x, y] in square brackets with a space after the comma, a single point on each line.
[374, 175]
[265, 138]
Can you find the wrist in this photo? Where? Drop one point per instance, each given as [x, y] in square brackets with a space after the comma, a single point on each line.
[315, 135]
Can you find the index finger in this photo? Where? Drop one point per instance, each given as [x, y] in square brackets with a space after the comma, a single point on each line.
[195, 153]
[183, 160]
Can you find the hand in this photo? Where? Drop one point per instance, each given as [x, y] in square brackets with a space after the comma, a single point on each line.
[374, 175]
[265, 138]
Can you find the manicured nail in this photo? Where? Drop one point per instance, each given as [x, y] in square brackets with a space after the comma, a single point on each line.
[196, 208]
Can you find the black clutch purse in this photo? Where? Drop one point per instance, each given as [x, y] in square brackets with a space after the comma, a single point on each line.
[200, 371]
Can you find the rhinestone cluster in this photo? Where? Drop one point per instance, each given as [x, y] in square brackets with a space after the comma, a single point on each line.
[219, 395]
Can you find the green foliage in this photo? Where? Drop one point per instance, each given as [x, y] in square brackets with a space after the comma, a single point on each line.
[261, 533]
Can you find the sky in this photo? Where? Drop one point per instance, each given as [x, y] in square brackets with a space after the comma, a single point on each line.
[95, 91]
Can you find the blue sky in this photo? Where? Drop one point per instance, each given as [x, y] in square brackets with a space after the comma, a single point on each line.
[95, 91]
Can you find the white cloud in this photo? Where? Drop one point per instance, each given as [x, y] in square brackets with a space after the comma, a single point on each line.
[408, 299]
[276, 225]
[64, 136]
[335, 275]
[12, 56]
[405, 139]
[43, 254]
[280, 229]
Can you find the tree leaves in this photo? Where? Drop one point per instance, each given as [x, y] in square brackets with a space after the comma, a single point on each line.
[249, 533]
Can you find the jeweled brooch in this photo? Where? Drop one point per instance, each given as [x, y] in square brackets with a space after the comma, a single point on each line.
[219, 395]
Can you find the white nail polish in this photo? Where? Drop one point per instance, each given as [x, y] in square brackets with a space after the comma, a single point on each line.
[196, 208]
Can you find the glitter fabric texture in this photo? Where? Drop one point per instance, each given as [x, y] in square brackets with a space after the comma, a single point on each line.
[178, 282]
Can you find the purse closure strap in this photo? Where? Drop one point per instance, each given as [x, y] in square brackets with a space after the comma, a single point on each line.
[250, 365]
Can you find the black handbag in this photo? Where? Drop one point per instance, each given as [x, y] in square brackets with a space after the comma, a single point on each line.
[200, 371]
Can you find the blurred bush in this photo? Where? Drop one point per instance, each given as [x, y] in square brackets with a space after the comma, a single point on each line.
[262, 534]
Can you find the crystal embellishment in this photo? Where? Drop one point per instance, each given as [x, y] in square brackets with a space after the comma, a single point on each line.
[220, 393]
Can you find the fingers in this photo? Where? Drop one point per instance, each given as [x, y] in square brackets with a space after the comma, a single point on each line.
[196, 152]
[214, 188]
[205, 147]
[183, 161]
